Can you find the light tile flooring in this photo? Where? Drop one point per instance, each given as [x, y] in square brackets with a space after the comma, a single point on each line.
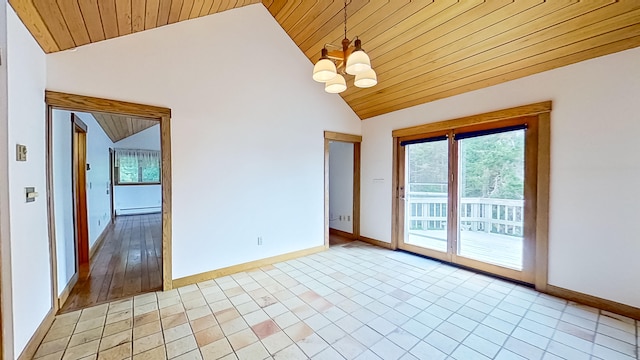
[353, 301]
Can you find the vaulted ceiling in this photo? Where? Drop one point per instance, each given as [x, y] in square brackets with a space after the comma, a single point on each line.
[118, 127]
[422, 50]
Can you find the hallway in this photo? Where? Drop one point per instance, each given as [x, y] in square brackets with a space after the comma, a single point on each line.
[129, 262]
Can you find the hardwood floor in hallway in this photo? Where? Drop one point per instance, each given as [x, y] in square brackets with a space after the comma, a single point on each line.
[337, 240]
[129, 262]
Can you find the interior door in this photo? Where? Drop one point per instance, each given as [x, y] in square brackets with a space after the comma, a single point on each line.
[80, 187]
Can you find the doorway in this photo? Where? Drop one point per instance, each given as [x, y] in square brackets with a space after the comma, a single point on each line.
[475, 194]
[155, 228]
[342, 188]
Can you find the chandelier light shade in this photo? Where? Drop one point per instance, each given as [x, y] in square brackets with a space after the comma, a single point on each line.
[358, 62]
[346, 59]
[325, 69]
[336, 85]
[366, 79]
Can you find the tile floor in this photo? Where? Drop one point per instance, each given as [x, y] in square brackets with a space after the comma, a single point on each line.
[354, 301]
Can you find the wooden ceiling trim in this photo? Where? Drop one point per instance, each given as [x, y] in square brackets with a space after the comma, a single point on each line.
[92, 20]
[553, 46]
[293, 6]
[151, 14]
[433, 59]
[226, 4]
[187, 5]
[319, 27]
[54, 21]
[109, 18]
[462, 63]
[318, 17]
[556, 63]
[406, 27]
[195, 10]
[442, 30]
[579, 51]
[138, 8]
[104, 124]
[111, 126]
[421, 50]
[453, 16]
[118, 127]
[123, 13]
[274, 6]
[361, 22]
[174, 13]
[116, 124]
[267, 3]
[206, 7]
[163, 12]
[215, 7]
[75, 22]
[35, 24]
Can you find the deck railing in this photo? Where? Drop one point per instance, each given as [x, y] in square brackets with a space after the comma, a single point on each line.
[428, 211]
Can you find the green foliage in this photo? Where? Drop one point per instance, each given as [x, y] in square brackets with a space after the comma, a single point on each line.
[491, 166]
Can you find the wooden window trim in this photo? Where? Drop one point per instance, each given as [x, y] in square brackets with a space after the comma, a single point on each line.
[136, 184]
[537, 163]
[475, 120]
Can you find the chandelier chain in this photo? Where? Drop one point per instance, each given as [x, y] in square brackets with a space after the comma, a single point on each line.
[345, 19]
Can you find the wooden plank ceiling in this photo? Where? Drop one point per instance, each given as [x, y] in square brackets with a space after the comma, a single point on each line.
[118, 127]
[421, 50]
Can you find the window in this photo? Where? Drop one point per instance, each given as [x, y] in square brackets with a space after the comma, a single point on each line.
[136, 167]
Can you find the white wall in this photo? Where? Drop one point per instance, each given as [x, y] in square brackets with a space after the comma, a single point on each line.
[98, 179]
[29, 237]
[341, 186]
[5, 245]
[247, 140]
[593, 245]
[63, 197]
[139, 199]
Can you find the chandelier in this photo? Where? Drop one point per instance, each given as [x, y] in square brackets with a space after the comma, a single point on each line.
[346, 59]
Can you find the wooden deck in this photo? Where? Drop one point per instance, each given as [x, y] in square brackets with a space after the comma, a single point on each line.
[129, 262]
[503, 250]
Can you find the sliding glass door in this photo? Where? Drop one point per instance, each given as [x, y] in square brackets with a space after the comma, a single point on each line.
[464, 196]
[426, 202]
[491, 197]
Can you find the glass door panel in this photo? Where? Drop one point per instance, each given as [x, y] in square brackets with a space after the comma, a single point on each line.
[426, 191]
[491, 198]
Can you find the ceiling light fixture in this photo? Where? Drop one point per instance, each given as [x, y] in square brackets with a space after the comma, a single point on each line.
[348, 59]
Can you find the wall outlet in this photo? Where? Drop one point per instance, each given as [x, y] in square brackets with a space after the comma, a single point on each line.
[259, 240]
[98, 222]
[340, 217]
[348, 217]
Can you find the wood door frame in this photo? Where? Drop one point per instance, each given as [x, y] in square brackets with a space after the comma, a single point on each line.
[80, 103]
[111, 181]
[356, 140]
[79, 186]
[539, 203]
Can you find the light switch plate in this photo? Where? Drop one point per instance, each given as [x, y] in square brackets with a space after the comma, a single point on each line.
[21, 152]
[31, 194]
